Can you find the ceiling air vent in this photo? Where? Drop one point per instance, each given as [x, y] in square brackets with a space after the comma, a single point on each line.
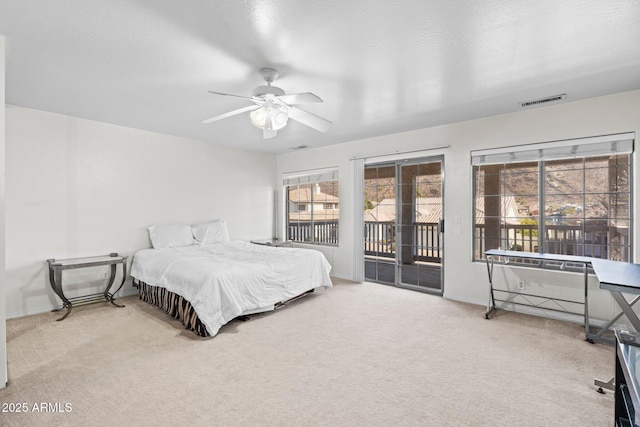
[548, 99]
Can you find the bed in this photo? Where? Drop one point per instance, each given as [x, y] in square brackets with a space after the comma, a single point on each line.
[206, 280]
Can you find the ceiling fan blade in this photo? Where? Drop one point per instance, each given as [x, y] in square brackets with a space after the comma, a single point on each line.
[231, 113]
[230, 94]
[300, 98]
[309, 119]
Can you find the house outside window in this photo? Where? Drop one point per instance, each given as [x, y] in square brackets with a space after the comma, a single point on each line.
[565, 197]
[312, 203]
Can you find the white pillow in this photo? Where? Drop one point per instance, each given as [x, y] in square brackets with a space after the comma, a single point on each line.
[211, 232]
[171, 236]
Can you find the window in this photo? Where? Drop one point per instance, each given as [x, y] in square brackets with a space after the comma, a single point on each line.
[313, 207]
[566, 197]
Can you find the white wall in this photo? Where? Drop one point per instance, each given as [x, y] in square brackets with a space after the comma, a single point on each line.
[3, 282]
[466, 280]
[78, 188]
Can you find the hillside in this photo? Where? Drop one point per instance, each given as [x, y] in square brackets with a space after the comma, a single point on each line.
[571, 191]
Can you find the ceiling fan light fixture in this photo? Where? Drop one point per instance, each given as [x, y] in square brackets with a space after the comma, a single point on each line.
[270, 116]
[273, 107]
[279, 119]
[258, 117]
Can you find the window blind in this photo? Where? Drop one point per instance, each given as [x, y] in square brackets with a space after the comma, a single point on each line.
[583, 147]
[310, 177]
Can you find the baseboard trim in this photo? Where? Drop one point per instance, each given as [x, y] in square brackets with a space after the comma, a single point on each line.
[130, 291]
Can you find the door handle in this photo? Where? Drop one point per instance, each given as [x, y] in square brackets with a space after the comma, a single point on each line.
[441, 225]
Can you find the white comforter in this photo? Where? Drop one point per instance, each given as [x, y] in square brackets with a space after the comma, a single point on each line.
[223, 280]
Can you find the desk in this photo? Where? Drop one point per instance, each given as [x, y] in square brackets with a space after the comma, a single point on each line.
[618, 277]
[491, 256]
[56, 267]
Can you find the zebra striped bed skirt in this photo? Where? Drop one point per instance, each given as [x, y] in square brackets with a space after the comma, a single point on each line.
[174, 305]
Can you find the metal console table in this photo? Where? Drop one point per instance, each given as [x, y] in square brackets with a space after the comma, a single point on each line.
[491, 256]
[57, 266]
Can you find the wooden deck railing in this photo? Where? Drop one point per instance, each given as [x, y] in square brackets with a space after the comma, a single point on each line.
[594, 241]
[320, 232]
[380, 239]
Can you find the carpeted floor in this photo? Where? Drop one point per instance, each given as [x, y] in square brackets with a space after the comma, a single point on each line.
[353, 355]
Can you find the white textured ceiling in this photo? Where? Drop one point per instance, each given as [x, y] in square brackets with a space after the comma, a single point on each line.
[381, 66]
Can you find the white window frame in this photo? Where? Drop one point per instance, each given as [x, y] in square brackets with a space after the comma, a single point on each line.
[582, 148]
[315, 176]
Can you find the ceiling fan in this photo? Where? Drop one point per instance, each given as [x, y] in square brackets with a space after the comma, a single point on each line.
[273, 107]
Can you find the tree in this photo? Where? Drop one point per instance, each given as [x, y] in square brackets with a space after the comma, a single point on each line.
[530, 232]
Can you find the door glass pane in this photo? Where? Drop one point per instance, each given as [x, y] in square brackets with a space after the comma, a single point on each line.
[379, 223]
[420, 255]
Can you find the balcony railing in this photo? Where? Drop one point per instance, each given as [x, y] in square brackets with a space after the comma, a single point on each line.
[320, 232]
[380, 239]
[595, 241]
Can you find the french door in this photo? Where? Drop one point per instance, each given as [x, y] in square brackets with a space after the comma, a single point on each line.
[404, 224]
